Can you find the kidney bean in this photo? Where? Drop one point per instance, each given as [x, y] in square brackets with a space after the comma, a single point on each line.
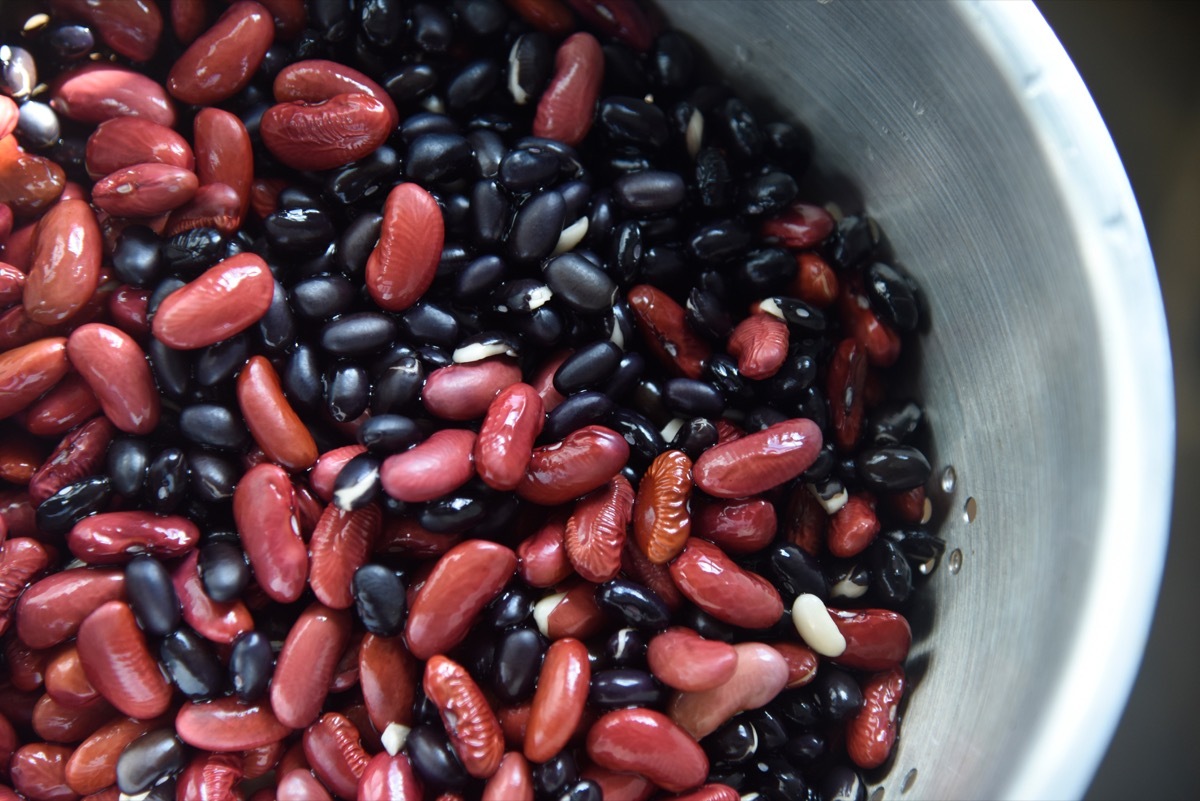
[227, 724]
[130, 27]
[595, 531]
[655, 577]
[9, 115]
[429, 470]
[389, 777]
[402, 266]
[683, 660]
[327, 468]
[51, 609]
[314, 80]
[20, 456]
[619, 786]
[648, 743]
[662, 519]
[585, 460]
[92, 766]
[116, 370]
[739, 526]
[760, 344]
[306, 664]
[758, 461]
[340, 545]
[27, 668]
[325, 135]
[465, 391]
[220, 622]
[879, 341]
[264, 508]
[512, 423]
[66, 263]
[97, 92]
[78, 455]
[470, 723]
[273, 423]
[667, 334]
[560, 698]
[225, 300]
[224, 154]
[20, 560]
[512, 781]
[37, 771]
[543, 558]
[388, 675]
[123, 142]
[118, 663]
[65, 680]
[332, 747]
[113, 537]
[69, 724]
[760, 674]
[67, 404]
[566, 108]
[711, 580]
[853, 527]
[222, 60]
[144, 190]
[210, 776]
[871, 734]
[876, 639]
[29, 184]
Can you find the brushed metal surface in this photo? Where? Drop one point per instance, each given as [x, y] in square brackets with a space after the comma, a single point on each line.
[965, 130]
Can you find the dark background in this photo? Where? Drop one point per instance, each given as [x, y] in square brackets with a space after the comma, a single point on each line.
[1141, 61]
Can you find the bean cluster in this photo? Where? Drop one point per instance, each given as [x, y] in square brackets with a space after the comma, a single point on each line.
[438, 400]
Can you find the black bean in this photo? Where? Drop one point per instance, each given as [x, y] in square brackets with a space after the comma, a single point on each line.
[537, 227]
[770, 730]
[410, 83]
[172, 369]
[631, 120]
[389, 433]
[434, 760]
[379, 599]
[767, 194]
[634, 605]
[847, 579]
[429, 324]
[137, 258]
[543, 328]
[643, 437]
[323, 296]
[719, 241]
[251, 663]
[512, 607]
[585, 790]
[192, 665]
[625, 251]
[321, 263]
[221, 361]
[347, 392]
[62, 510]
[454, 513]
[381, 21]
[165, 287]
[695, 437]
[299, 231]
[358, 483]
[148, 759]
[18, 72]
[589, 366]
[127, 460]
[436, 157]
[648, 400]
[624, 687]
[805, 748]
[70, 42]
[398, 385]
[223, 571]
[843, 783]
[788, 146]
[855, 242]
[891, 297]
[778, 781]
[368, 177]
[625, 648]
[553, 776]
[623, 380]
[213, 426]
[740, 130]
[922, 548]
[672, 62]
[765, 271]
[892, 422]
[689, 397]
[581, 409]
[623, 71]
[518, 660]
[356, 242]
[579, 283]
[893, 580]
[525, 170]
[522, 296]
[714, 183]
[152, 595]
[530, 65]
[490, 213]
[705, 624]
[795, 572]
[836, 694]
[763, 417]
[486, 345]
[189, 252]
[302, 382]
[167, 481]
[473, 84]
[894, 468]
[277, 328]
[431, 28]
[734, 742]
[649, 192]
[357, 334]
[479, 278]
[601, 218]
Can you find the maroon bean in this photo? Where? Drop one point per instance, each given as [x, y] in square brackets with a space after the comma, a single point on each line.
[125, 141]
[115, 537]
[223, 59]
[97, 92]
[115, 368]
[341, 544]
[568, 105]
[130, 27]
[315, 80]
[585, 460]
[504, 447]
[51, 610]
[220, 622]
[38, 772]
[328, 134]
[118, 663]
[145, 190]
[465, 391]
[20, 560]
[229, 725]
[333, 748]
[710, 579]
[759, 461]
[306, 664]
[403, 264]
[430, 469]
[225, 300]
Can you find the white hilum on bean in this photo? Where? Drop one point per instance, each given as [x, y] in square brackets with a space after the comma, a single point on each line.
[478, 351]
[816, 627]
[394, 736]
[832, 503]
[544, 608]
[571, 236]
[346, 497]
[694, 134]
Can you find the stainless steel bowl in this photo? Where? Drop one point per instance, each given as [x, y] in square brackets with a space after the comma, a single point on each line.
[964, 128]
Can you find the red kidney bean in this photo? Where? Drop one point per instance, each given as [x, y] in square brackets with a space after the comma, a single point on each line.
[668, 336]
[390, 777]
[306, 664]
[29, 371]
[130, 27]
[407, 537]
[548, 16]
[314, 80]
[37, 772]
[80, 454]
[908, 506]
[128, 306]
[710, 792]
[325, 135]
[462, 582]
[657, 577]
[583, 461]
[760, 344]
[403, 264]
[662, 518]
[881, 343]
[739, 526]
[876, 639]
[512, 781]
[224, 58]
[760, 676]
[805, 523]
[273, 423]
[815, 283]
[213, 620]
[69, 724]
[710, 579]
[333, 748]
[118, 663]
[620, 19]
[261, 760]
[65, 272]
[93, 764]
[683, 660]
[341, 544]
[94, 93]
[115, 537]
[12, 282]
[327, 467]
[26, 667]
[512, 423]
[20, 560]
[616, 786]
[800, 226]
[853, 527]
[20, 457]
[802, 663]
[465, 391]
[595, 532]
[9, 116]
[543, 558]
[125, 141]
[470, 723]
[567, 106]
[388, 676]
[648, 743]
[188, 20]
[145, 190]
[759, 461]
[560, 698]
[66, 682]
[225, 300]
[210, 777]
[115, 368]
[430, 469]
[572, 613]
[543, 381]
[300, 785]
[871, 733]
[213, 206]
[228, 725]
[51, 610]
[224, 154]
[29, 184]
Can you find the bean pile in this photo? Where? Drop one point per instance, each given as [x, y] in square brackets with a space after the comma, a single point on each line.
[436, 400]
